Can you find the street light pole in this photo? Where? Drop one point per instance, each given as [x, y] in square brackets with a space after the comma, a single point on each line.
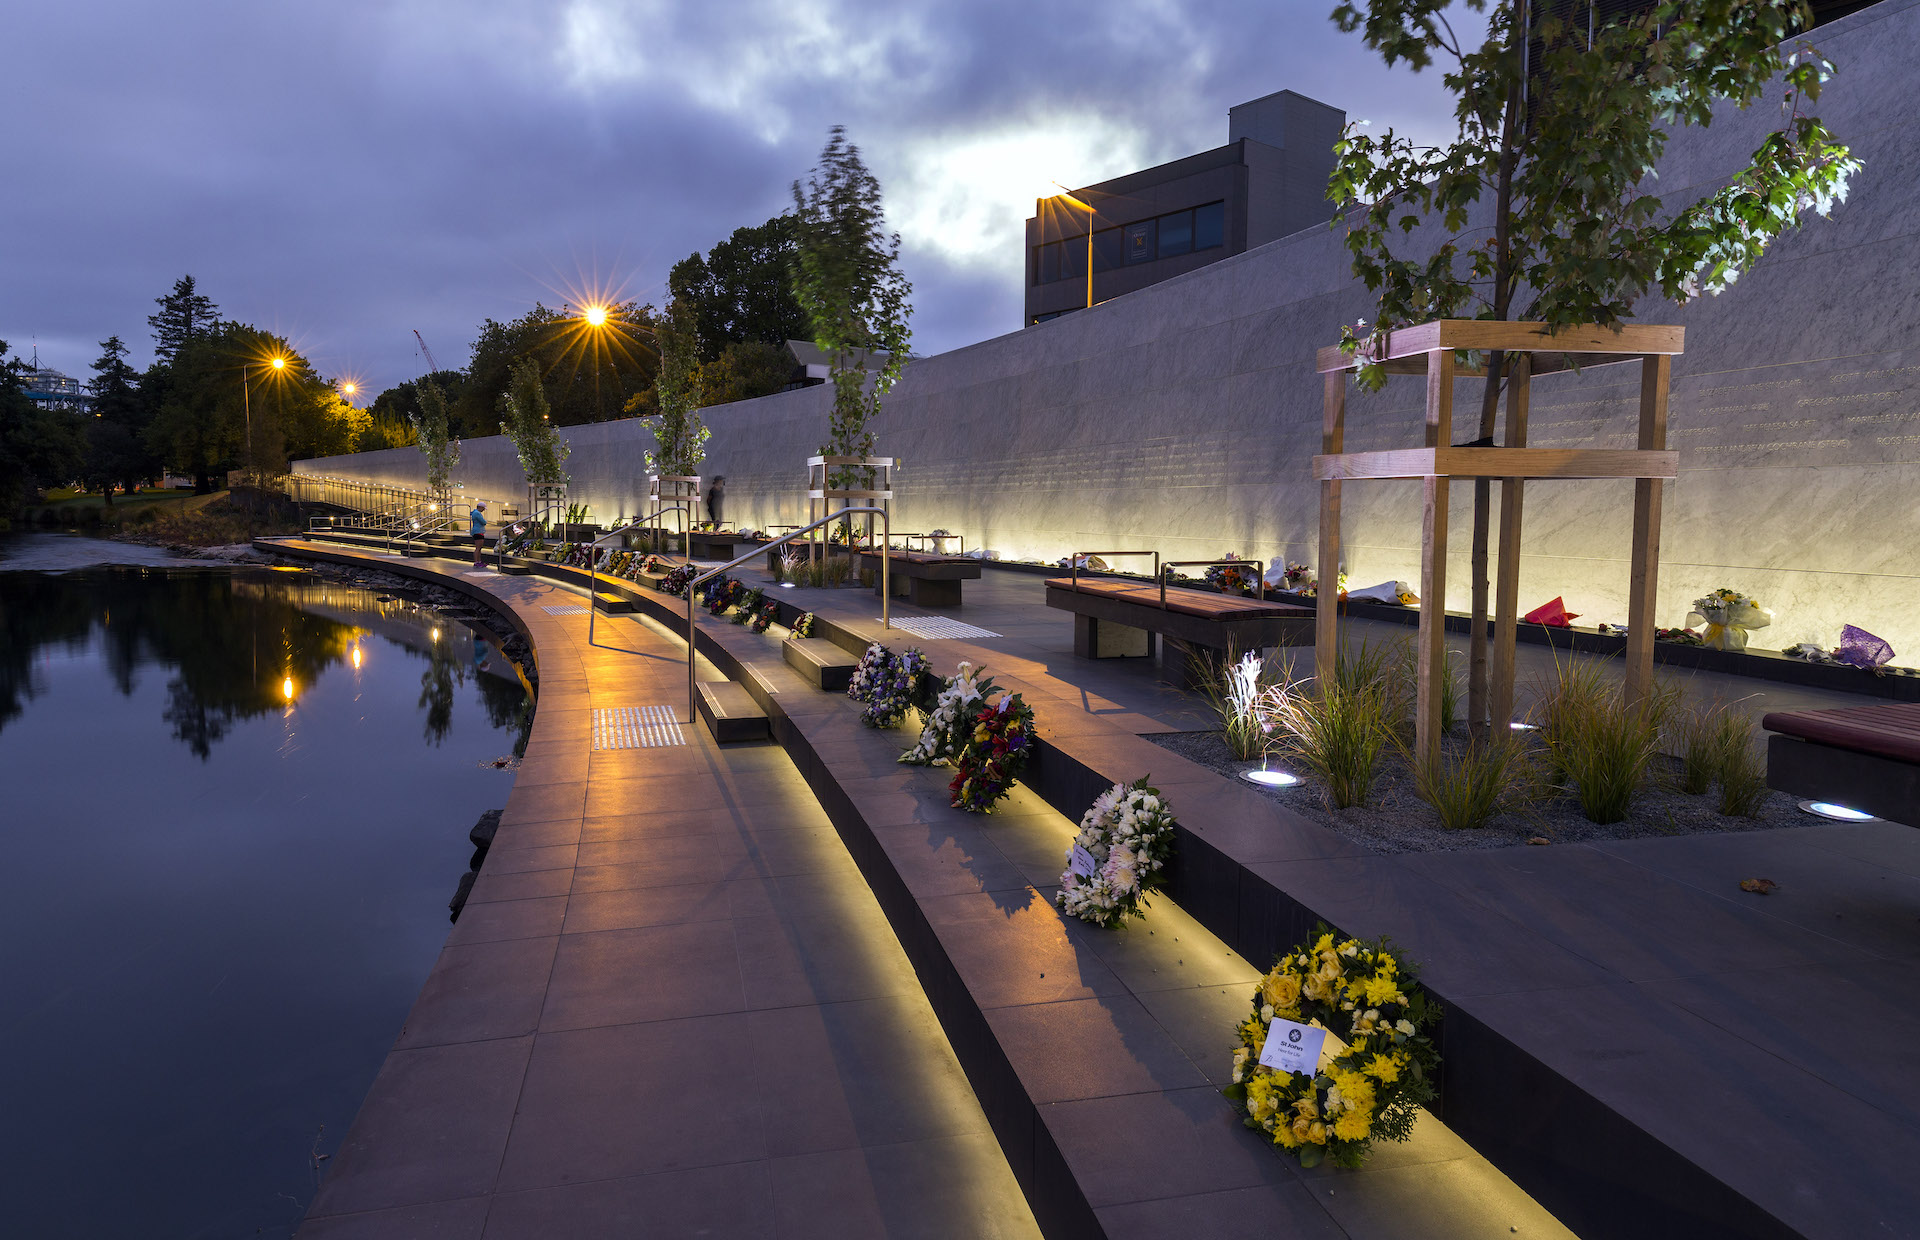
[1088, 208]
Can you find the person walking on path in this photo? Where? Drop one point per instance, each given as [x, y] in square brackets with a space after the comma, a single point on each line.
[478, 520]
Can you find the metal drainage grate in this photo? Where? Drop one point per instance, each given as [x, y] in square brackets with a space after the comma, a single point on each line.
[565, 611]
[939, 628]
[636, 727]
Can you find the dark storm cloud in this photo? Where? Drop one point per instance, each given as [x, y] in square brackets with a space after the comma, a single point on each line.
[344, 172]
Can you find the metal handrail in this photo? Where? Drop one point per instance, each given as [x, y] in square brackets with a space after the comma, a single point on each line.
[1259, 577]
[886, 594]
[1073, 566]
[593, 567]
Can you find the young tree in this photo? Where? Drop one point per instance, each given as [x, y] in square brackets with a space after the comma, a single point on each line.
[436, 442]
[847, 278]
[528, 424]
[679, 435]
[1544, 199]
[185, 314]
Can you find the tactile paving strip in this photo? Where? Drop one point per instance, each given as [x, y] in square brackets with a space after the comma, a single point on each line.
[565, 611]
[636, 727]
[939, 628]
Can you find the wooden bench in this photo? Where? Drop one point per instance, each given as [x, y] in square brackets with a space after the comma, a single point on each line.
[1863, 757]
[1114, 619]
[922, 579]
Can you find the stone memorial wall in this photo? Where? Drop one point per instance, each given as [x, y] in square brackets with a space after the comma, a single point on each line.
[1183, 418]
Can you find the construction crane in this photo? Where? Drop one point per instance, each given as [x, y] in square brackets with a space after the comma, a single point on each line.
[433, 367]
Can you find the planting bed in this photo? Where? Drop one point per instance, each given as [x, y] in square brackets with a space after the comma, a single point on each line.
[1395, 820]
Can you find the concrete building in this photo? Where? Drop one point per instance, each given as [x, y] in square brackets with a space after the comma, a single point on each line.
[1269, 181]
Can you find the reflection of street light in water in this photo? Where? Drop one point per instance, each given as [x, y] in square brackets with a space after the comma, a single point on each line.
[286, 688]
[356, 658]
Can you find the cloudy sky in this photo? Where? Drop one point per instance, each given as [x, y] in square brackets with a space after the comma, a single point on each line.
[343, 171]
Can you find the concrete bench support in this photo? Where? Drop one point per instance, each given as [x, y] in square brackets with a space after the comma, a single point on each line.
[730, 712]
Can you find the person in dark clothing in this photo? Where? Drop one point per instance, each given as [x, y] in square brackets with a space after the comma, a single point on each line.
[716, 496]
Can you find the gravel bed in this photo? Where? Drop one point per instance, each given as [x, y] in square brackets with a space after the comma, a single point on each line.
[1394, 820]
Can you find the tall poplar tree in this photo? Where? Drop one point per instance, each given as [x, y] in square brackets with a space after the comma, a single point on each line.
[847, 278]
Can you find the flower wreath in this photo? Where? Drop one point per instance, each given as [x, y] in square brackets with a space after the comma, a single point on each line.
[950, 723]
[885, 684]
[676, 582]
[803, 627]
[1230, 578]
[1124, 842]
[1372, 1085]
[765, 615]
[994, 755]
[748, 602]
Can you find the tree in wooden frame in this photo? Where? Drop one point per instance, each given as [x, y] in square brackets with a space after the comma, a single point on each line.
[1540, 200]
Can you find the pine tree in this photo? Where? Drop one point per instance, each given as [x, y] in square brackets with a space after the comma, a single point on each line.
[185, 314]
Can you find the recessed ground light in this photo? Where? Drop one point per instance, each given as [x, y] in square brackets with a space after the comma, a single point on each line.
[1839, 813]
[1517, 726]
[1270, 779]
[786, 585]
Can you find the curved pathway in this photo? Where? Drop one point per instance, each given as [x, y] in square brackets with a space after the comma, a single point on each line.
[670, 1007]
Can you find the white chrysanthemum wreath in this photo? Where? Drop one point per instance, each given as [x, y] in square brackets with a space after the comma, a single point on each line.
[1119, 856]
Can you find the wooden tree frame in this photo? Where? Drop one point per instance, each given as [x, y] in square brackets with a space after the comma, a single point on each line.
[1431, 349]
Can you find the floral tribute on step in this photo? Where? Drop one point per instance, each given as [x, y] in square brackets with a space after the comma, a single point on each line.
[1362, 1003]
[987, 743]
[886, 684]
[1120, 855]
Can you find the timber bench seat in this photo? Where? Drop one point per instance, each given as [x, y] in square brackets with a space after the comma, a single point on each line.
[922, 579]
[1863, 757]
[1117, 618]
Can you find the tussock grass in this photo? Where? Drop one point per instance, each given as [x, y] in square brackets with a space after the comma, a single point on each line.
[1335, 729]
[1233, 688]
[1597, 743]
[1742, 769]
[1468, 787]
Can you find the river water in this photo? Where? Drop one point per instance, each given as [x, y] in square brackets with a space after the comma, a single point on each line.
[234, 802]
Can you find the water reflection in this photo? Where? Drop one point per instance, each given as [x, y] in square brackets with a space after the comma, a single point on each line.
[290, 628]
[237, 802]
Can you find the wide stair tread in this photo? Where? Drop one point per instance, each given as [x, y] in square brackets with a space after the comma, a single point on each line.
[730, 711]
[820, 662]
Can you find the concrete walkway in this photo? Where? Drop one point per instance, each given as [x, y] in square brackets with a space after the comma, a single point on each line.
[671, 1006]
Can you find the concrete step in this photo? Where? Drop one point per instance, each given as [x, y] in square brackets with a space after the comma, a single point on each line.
[612, 603]
[820, 662]
[513, 568]
[730, 711]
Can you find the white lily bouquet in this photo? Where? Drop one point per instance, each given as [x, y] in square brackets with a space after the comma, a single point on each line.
[1728, 616]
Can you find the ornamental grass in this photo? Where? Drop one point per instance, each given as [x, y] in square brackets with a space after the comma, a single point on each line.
[1335, 730]
[1598, 744]
[1467, 787]
[1741, 769]
[1233, 687]
[1693, 739]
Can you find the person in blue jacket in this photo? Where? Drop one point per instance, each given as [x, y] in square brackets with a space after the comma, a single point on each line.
[478, 519]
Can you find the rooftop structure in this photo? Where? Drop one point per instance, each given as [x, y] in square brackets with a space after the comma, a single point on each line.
[1269, 181]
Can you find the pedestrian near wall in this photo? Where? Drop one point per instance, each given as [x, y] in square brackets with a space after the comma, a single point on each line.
[716, 496]
[477, 518]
